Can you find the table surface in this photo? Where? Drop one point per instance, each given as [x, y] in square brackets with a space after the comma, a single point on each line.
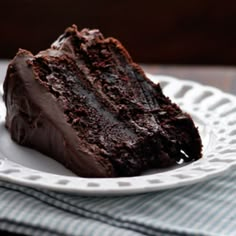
[222, 77]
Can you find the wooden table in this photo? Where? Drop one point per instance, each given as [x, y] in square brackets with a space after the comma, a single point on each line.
[223, 78]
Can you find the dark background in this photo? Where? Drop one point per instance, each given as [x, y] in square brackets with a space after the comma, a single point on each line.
[165, 32]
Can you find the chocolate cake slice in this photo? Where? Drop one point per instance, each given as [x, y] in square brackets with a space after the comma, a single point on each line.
[86, 104]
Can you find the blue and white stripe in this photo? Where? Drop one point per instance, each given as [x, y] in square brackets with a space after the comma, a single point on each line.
[203, 209]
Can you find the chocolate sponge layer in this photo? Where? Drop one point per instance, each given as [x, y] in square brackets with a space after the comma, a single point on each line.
[85, 103]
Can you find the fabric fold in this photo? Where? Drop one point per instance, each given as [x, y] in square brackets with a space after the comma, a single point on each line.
[206, 208]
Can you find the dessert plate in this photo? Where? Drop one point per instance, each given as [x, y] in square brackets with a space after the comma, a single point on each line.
[213, 111]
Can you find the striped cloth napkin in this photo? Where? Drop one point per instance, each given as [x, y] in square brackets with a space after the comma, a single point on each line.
[203, 209]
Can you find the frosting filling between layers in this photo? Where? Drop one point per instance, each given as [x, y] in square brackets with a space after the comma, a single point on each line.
[118, 113]
[120, 119]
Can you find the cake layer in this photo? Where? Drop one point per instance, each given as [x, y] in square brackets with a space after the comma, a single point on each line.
[97, 105]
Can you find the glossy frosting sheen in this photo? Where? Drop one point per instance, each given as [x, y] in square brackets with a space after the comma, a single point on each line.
[86, 104]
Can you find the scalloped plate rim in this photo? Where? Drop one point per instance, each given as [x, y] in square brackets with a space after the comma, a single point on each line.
[113, 187]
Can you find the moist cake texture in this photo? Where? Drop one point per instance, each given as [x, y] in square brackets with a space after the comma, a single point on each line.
[86, 104]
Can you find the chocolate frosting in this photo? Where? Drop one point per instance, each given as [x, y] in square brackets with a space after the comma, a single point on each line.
[35, 120]
[145, 129]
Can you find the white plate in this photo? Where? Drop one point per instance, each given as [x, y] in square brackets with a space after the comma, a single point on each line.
[213, 111]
